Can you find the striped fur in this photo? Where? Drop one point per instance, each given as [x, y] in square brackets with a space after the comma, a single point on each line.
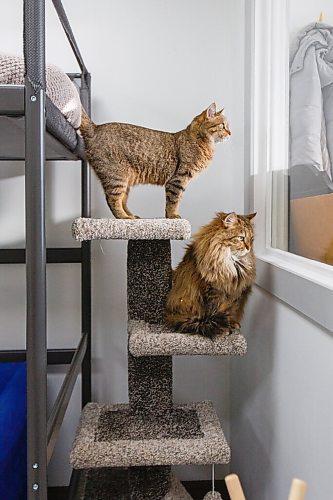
[124, 155]
[206, 325]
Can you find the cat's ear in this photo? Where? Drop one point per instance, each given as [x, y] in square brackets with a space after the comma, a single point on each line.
[251, 216]
[230, 219]
[210, 111]
[220, 112]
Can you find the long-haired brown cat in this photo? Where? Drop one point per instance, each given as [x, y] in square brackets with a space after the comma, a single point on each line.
[124, 155]
[212, 282]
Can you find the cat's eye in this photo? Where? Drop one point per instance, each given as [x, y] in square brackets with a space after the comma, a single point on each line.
[241, 238]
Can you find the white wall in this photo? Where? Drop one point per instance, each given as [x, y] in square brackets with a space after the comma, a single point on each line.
[303, 13]
[157, 64]
[281, 404]
[282, 409]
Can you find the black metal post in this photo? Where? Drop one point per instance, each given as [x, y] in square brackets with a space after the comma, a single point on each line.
[53, 255]
[34, 53]
[86, 257]
[54, 356]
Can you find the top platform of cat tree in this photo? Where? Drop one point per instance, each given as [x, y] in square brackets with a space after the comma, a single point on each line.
[85, 229]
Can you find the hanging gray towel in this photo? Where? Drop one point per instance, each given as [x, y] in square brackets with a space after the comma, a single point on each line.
[311, 98]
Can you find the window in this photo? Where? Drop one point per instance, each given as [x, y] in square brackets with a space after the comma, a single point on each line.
[304, 283]
[305, 190]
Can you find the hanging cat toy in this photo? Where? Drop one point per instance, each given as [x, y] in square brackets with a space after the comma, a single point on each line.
[235, 490]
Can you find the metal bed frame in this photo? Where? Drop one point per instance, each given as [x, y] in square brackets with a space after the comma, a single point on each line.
[42, 431]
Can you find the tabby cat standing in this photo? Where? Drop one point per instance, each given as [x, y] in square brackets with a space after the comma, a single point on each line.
[124, 155]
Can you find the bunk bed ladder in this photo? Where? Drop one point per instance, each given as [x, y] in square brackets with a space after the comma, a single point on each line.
[42, 432]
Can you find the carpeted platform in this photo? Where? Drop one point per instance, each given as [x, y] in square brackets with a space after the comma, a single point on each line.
[146, 339]
[175, 423]
[84, 229]
[172, 443]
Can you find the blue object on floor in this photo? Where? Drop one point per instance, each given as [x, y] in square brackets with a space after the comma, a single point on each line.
[13, 431]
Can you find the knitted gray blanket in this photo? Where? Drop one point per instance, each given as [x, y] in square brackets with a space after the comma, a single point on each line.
[59, 87]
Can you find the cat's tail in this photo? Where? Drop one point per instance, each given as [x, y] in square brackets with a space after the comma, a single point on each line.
[208, 325]
[87, 127]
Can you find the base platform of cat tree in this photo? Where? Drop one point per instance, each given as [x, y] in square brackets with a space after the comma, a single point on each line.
[107, 483]
[146, 339]
[112, 436]
[84, 229]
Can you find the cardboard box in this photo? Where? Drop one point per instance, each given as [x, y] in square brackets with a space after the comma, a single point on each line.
[311, 227]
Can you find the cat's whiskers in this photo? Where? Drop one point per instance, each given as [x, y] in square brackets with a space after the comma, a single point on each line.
[238, 254]
[212, 142]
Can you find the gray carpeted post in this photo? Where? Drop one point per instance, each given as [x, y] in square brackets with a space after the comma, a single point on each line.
[149, 482]
[149, 378]
[149, 277]
[148, 282]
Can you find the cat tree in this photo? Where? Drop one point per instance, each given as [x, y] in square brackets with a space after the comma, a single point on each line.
[125, 451]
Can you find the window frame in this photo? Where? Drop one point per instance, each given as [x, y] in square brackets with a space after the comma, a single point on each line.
[302, 283]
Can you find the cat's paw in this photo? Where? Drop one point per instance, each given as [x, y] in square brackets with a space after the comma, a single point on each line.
[131, 217]
[224, 331]
[174, 216]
